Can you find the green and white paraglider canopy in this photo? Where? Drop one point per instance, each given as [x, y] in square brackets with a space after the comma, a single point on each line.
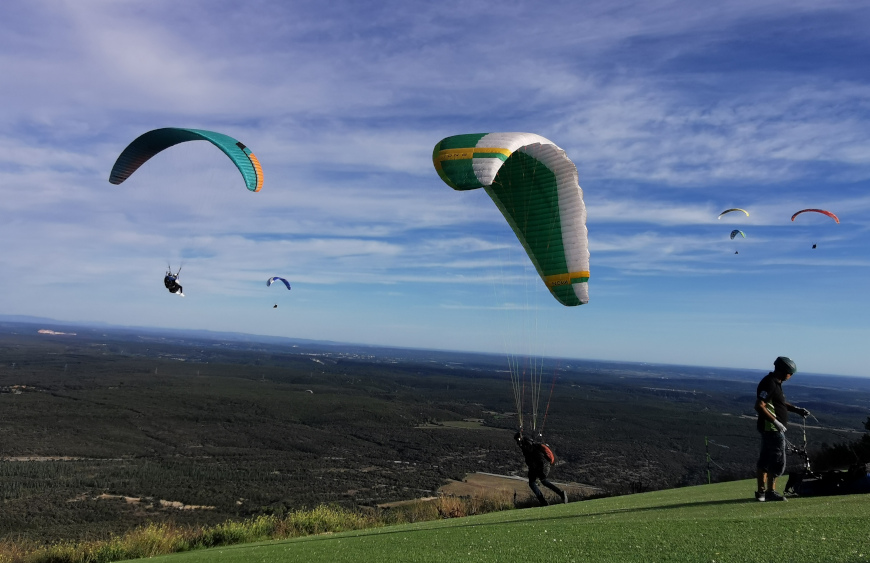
[534, 184]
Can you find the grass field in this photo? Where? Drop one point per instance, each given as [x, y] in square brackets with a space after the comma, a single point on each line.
[718, 523]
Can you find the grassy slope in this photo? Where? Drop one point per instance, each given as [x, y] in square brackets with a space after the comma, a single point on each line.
[713, 523]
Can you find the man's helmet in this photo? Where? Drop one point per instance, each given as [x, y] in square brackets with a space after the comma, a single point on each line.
[784, 365]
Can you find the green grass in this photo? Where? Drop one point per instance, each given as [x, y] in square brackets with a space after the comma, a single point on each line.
[714, 523]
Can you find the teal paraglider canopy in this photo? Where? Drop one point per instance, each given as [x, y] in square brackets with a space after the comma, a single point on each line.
[149, 144]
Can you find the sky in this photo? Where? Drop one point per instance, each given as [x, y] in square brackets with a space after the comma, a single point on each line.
[672, 111]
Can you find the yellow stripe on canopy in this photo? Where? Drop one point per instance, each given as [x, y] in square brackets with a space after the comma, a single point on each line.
[469, 152]
[564, 279]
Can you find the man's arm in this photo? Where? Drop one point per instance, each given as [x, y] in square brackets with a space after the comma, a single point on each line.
[761, 408]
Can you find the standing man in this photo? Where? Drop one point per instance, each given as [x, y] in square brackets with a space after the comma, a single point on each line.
[773, 409]
[539, 468]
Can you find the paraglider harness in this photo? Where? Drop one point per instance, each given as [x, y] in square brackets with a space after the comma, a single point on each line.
[806, 482]
[171, 281]
[539, 447]
[548, 452]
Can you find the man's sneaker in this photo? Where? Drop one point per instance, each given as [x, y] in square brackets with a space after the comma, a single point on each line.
[773, 496]
[564, 497]
[759, 496]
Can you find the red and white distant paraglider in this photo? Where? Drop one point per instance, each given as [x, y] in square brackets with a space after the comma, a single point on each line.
[822, 211]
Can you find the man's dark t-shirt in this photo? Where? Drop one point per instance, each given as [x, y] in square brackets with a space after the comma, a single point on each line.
[534, 454]
[770, 391]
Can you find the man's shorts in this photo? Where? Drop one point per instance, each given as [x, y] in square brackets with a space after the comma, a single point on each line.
[539, 472]
[772, 457]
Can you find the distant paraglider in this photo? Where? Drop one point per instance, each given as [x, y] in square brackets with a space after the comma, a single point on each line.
[272, 280]
[822, 211]
[171, 282]
[732, 210]
[734, 233]
[149, 144]
[276, 278]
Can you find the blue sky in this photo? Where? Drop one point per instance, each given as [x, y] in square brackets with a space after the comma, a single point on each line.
[672, 111]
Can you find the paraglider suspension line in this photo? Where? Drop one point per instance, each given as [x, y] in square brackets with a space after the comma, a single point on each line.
[547, 409]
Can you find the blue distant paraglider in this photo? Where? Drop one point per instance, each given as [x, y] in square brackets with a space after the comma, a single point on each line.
[272, 280]
[276, 278]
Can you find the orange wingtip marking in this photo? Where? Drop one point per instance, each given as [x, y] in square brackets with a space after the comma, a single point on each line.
[259, 170]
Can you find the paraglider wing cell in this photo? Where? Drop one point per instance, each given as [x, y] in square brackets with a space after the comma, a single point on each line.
[276, 278]
[149, 144]
[822, 211]
[534, 184]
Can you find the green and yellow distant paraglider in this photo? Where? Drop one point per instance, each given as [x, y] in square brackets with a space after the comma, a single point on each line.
[732, 210]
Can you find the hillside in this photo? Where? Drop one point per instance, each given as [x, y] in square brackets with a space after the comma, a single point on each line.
[714, 523]
[107, 431]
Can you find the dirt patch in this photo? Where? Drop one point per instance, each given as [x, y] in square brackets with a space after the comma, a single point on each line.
[144, 502]
[489, 484]
[40, 458]
[128, 500]
[181, 506]
[43, 458]
[466, 424]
